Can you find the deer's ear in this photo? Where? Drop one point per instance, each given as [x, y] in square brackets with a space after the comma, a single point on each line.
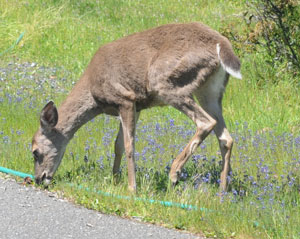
[49, 116]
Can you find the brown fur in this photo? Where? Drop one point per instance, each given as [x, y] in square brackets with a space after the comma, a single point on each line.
[167, 65]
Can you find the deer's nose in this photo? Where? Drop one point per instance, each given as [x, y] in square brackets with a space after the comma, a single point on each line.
[39, 180]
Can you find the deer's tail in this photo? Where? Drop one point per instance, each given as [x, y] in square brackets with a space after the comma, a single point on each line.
[229, 61]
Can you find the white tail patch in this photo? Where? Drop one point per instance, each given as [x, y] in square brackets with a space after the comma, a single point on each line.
[232, 72]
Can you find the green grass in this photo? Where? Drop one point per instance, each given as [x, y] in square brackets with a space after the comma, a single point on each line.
[67, 33]
[62, 36]
[75, 29]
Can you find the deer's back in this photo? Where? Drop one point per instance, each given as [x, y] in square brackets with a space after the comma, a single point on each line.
[136, 66]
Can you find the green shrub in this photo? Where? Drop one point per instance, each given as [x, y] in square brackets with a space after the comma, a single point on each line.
[276, 28]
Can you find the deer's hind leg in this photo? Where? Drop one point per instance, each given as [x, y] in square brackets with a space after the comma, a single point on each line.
[174, 79]
[204, 123]
[210, 98]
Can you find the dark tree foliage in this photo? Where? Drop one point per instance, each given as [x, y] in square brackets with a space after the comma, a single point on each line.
[277, 27]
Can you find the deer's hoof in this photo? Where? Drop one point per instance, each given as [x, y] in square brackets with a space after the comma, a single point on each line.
[174, 178]
[174, 184]
[132, 189]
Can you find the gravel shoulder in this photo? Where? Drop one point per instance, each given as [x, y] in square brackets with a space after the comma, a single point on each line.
[27, 212]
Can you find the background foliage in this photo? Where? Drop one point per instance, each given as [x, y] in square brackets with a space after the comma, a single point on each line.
[277, 28]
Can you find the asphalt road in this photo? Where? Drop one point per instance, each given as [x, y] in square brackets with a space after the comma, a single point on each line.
[26, 212]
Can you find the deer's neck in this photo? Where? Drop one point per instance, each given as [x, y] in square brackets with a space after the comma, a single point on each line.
[78, 108]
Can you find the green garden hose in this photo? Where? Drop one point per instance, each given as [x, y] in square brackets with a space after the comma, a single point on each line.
[13, 45]
[151, 201]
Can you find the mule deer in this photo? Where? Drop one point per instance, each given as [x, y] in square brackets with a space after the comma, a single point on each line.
[173, 64]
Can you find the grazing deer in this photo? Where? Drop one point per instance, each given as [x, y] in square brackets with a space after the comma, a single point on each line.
[169, 65]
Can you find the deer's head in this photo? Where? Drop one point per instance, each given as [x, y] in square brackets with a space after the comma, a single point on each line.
[48, 145]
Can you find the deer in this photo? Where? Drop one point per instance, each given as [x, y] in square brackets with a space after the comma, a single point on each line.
[183, 65]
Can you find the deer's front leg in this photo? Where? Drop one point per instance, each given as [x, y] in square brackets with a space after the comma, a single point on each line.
[119, 149]
[128, 115]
